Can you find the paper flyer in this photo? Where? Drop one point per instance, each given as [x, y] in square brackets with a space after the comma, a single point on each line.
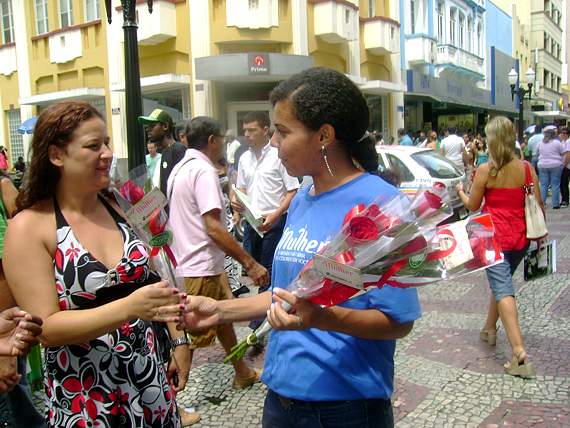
[251, 215]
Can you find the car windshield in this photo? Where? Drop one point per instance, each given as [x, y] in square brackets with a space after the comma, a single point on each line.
[436, 164]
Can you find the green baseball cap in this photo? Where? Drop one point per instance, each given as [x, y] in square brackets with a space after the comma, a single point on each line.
[157, 116]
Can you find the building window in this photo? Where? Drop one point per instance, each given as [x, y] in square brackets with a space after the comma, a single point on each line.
[461, 31]
[371, 8]
[92, 9]
[479, 39]
[42, 25]
[440, 21]
[16, 142]
[558, 83]
[6, 23]
[413, 12]
[452, 24]
[469, 34]
[546, 80]
[65, 13]
[253, 4]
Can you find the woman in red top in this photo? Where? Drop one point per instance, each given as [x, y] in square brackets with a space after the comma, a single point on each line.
[500, 182]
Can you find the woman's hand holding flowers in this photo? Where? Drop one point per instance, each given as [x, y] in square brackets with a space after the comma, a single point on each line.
[302, 316]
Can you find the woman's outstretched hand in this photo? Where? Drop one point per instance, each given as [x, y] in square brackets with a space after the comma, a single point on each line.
[19, 331]
[156, 302]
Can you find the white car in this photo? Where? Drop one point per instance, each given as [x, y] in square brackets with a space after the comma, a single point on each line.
[419, 168]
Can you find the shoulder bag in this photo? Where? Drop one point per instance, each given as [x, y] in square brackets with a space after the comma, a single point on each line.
[534, 216]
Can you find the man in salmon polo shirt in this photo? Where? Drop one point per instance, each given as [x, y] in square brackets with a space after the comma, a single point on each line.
[201, 239]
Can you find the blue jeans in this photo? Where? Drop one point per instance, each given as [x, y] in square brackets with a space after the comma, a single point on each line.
[550, 177]
[500, 276]
[279, 412]
[17, 408]
[263, 250]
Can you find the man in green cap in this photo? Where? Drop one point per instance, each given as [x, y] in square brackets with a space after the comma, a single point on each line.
[160, 130]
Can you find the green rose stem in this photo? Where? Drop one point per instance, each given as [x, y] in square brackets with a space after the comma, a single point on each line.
[238, 351]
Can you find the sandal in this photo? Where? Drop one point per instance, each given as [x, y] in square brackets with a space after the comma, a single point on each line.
[489, 336]
[519, 366]
[242, 383]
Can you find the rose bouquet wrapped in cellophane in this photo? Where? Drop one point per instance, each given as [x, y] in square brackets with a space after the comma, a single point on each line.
[144, 207]
[456, 249]
[397, 227]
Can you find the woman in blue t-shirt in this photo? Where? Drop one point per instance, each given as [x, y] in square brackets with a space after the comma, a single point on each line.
[323, 366]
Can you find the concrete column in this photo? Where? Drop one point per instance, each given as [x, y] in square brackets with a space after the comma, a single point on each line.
[200, 46]
[22, 38]
[396, 99]
[116, 83]
[299, 30]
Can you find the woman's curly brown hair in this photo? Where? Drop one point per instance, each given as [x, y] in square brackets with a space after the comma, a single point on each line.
[55, 126]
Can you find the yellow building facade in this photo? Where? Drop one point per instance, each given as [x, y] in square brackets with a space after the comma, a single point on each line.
[213, 57]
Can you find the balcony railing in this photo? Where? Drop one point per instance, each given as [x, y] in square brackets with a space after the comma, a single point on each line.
[381, 35]
[252, 14]
[448, 54]
[157, 27]
[335, 20]
[420, 49]
[8, 62]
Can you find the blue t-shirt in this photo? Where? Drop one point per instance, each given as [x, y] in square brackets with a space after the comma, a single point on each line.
[316, 365]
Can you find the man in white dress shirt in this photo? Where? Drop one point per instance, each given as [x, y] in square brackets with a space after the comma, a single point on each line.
[262, 176]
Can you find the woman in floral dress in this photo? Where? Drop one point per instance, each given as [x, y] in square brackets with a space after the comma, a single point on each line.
[72, 259]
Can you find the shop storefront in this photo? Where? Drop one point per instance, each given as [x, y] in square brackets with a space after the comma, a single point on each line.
[241, 82]
[453, 100]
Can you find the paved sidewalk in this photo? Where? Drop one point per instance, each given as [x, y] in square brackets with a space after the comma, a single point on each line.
[445, 376]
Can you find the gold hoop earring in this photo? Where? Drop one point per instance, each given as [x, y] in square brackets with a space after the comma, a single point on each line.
[324, 153]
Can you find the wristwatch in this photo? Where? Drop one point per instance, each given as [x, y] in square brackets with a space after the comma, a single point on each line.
[179, 341]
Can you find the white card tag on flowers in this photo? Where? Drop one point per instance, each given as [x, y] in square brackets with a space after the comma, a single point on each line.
[140, 213]
[339, 272]
[462, 252]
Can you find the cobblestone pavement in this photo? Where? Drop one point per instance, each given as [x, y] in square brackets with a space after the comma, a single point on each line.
[445, 376]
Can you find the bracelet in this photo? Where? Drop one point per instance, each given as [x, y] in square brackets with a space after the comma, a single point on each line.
[179, 341]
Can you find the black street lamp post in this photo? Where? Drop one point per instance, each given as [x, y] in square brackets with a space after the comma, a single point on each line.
[518, 90]
[135, 132]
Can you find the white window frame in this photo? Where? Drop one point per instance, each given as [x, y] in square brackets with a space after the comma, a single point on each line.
[452, 26]
[413, 12]
[69, 12]
[461, 32]
[13, 117]
[41, 5]
[371, 8]
[470, 34]
[93, 8]
[480, 39]
[10, 29]
[441, 21]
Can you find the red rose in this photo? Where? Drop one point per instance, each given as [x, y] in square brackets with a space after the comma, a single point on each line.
[333, 293]
[156, 225]
[131, 192]
[362, 229]
[414, 246]
[426, 203]
[353, 212]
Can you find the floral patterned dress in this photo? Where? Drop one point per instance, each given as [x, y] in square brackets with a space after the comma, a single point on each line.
[116, 380]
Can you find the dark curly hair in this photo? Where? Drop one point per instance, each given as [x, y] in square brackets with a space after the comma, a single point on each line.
[55, 126]
[324, 96]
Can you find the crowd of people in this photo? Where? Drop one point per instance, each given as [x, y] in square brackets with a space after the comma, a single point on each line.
[546, 148]
[119, 340]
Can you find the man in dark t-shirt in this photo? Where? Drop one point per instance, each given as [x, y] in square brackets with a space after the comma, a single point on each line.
[160, 130]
